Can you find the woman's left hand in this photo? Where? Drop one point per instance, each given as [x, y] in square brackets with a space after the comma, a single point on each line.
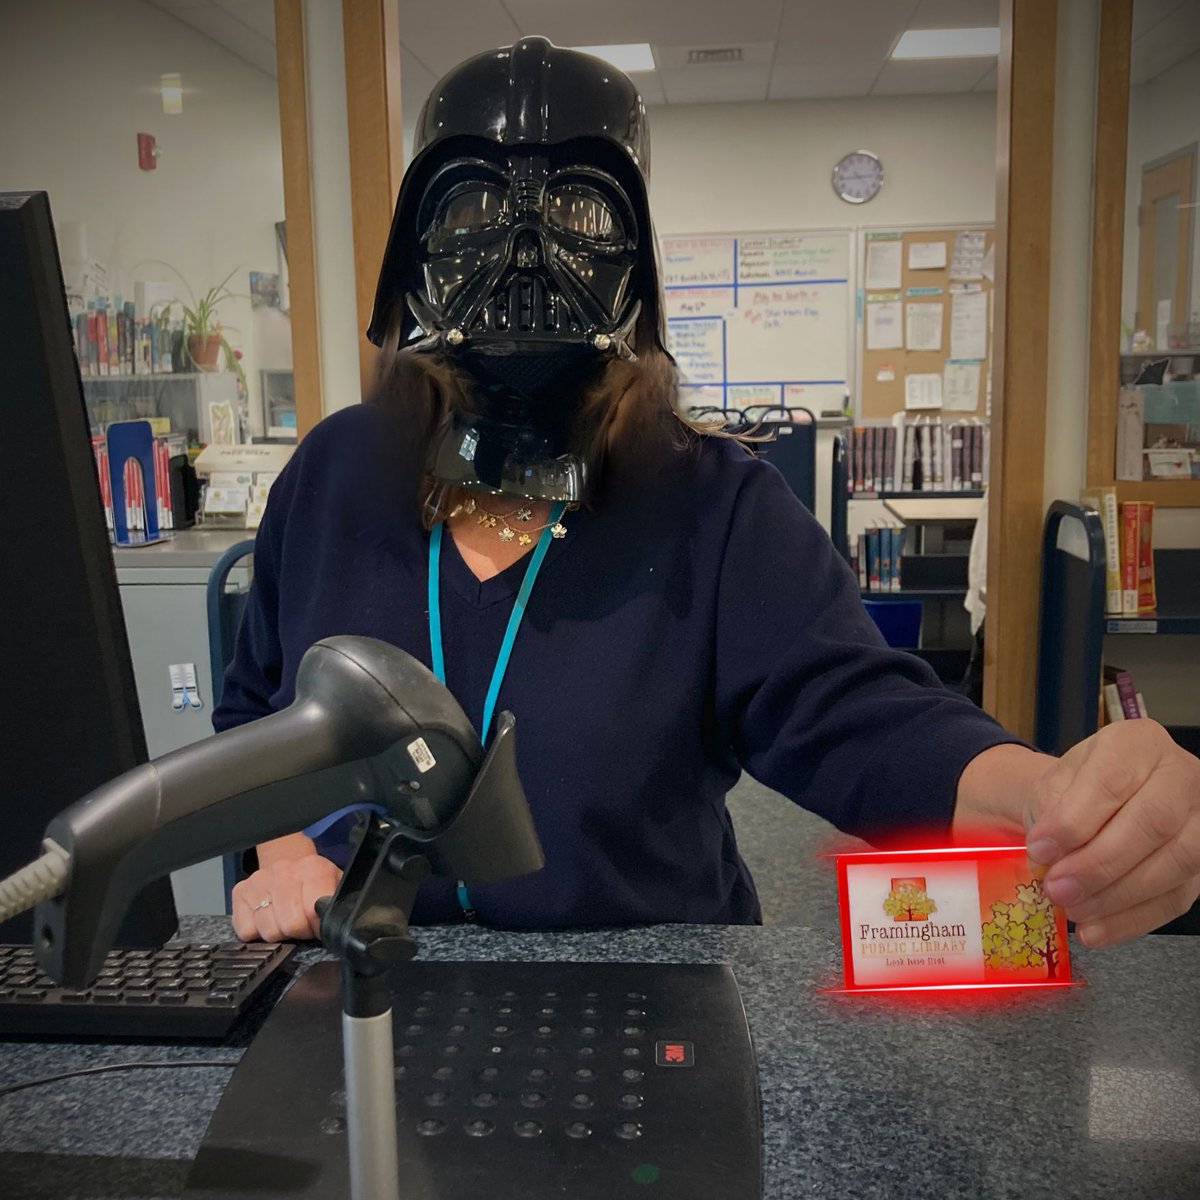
[1117, 821]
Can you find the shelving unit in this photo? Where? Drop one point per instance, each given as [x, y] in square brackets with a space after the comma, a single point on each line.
[184, 398]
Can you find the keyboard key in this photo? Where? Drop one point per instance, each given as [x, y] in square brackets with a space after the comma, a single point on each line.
[74, 997]
[103, 997]
[31, 993]
[139, 993]
[219, 998]
[172, 997]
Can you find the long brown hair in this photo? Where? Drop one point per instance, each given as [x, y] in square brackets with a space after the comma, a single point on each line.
[629, 419]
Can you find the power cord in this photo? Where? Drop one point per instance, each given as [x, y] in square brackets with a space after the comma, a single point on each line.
[128, 1066]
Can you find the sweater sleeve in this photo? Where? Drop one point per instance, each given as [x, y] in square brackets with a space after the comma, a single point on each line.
[813, 701]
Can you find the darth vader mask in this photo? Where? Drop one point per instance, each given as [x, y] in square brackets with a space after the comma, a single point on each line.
[522, 251]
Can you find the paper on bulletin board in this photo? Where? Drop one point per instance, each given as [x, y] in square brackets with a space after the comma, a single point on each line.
[923, 391]
[926, 256]
[967, 259]
[960, 386]
[883, 326]
[968, 325]
[923, 326]
[989, 263]
[883, 264]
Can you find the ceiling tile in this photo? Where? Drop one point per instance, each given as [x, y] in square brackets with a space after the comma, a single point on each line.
[822, 80]
[956, 14]
[416, 82]
[715, 84]
[927, 76]
[1148, 13]
[650, 87]
[987, 83]
[754, 54]
[216, 24]
[1170, 41]
[442, 35]
[258, 15]
[708, 22]
[814, 31]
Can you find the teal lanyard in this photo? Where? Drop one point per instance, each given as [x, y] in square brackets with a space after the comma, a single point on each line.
[510, 634]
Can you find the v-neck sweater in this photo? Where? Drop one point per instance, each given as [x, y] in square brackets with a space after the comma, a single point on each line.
[694, 625]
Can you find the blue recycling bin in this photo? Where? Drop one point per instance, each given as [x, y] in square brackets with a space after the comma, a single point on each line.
[899, 621]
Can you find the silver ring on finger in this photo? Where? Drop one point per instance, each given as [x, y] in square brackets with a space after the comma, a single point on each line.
[264, 903]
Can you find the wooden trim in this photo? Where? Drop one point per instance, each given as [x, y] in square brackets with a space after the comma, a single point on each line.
[298, 210]
[1108, 238]
[372, 49]
[1166, 493]
[1025, 162]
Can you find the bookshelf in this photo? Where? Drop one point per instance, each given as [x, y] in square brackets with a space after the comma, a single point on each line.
[185, 398]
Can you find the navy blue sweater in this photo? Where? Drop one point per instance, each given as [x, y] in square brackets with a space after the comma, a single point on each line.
[687, 628]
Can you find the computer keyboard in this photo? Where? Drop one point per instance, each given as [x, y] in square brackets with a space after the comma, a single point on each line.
[182, 989]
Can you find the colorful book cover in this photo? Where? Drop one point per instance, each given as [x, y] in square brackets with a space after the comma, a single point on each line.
[956, 458]
[1147, 601]
[862, 562]
[889, 458]
[1129, 558]
[873, 560]
[1112, 704]
[1104, 501]
[897, 547]
[1122, 680]
[948, 918]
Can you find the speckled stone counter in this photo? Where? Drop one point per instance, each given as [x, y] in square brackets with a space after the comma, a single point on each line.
[1085, 1092]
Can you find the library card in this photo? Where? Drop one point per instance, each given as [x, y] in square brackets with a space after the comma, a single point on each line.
[948, 918]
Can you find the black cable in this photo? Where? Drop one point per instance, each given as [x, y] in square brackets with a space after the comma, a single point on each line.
[128, 1066]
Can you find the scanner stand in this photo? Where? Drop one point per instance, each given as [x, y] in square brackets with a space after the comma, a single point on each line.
[365, 924]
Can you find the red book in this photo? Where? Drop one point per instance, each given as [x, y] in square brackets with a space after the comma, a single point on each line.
[1129, 559]
[102, 340]
[1147, 600]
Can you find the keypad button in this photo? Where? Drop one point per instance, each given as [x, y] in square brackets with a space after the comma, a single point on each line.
[488, 1074]
[632, 1074]
[405, 1050]
[452, 1050]
[629, 1130]
[588, 1031]
[437, 1099]
[635, 1012]
[428, 995]
[630, 1100]
[584, 1075]
[582, 1100]
[431, 1127]
[544, 1031]
[172, 997]
[590, 1011]
[218, 998]
[443, 1073]
[533, 1099]
[485, 1099]
[578, 1130]
[101, 997]
[458, 1030]
[631, 1052]
[634, 996]
[633, 1031]
[68, 997]
[538, 1075]
[586, 1052]
[139, 993]
[541, 1051]
[414, 1030]
[423, 1011]
[478, 1128]
[527, 1129]
[33, 993]
[501, 1030]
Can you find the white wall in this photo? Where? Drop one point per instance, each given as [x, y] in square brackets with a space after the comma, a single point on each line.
[78, 80]
[733, 167]
[1164, 116]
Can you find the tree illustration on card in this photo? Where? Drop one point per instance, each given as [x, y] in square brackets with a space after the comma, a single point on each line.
[1023, 932]
[907, 901]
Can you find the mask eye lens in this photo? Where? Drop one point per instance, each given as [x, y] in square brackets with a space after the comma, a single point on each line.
[474, 208]
[583, 213]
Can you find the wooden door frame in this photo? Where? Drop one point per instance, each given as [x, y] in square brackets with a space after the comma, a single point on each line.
[292, 83]
[1025, 161]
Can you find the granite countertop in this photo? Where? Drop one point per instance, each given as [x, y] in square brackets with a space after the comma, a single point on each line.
[1091, 1091]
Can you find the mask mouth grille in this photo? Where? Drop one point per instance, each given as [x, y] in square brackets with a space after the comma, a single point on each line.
[525, 305]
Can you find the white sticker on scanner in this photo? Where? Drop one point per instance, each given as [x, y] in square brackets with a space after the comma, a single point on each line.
[420, 753]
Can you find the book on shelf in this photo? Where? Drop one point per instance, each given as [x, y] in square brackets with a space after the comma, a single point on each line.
[112, 338]
[137, 499]
[917, 456]
[876, 558]
[1129, 582]
[1121, 699]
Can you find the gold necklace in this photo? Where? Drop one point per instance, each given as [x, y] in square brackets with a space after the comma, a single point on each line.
[506, 533]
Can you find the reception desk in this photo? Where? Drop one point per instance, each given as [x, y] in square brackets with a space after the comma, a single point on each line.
[1090, 1091]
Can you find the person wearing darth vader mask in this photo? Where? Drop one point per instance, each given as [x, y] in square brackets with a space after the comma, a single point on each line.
[522, 506]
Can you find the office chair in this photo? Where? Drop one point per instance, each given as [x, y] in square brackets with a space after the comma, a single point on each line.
[225, 609]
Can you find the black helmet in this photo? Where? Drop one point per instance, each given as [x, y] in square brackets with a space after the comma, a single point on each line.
[525, 157]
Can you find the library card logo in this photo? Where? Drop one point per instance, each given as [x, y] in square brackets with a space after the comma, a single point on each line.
[907, 901]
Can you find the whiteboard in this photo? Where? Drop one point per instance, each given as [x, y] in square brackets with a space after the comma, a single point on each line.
[760, 318]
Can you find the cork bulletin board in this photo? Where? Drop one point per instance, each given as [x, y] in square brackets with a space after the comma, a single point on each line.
[904, 276]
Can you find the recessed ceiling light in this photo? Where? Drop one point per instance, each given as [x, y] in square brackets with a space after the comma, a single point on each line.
[948, 43]
[172, 93]
[632, 57]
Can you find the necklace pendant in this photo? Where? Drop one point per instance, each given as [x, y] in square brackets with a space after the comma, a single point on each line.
[558, 529]
[483, 519]
[524, 540]
[506, 534]
[524, 514]
[491, 522]
[469, 506]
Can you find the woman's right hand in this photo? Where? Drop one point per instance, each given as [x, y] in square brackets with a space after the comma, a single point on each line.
[292, 876]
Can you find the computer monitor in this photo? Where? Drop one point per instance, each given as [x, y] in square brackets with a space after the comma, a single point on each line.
[69, 716]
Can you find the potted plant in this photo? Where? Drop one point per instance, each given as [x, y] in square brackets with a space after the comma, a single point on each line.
[203, 340]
